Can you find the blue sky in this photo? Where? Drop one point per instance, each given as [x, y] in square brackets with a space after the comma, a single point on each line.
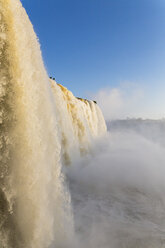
[93, 44]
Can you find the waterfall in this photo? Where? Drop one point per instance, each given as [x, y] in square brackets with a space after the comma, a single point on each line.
[79, 122]
[41, 126]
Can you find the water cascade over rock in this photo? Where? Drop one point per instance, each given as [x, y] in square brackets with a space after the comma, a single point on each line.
[41, 125]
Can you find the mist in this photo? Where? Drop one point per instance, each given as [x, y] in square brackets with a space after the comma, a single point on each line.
[118, 191]
[65, 181]
[130, 99]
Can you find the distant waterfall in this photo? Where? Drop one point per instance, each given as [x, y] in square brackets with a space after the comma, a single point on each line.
[40, 123]
[79, 122]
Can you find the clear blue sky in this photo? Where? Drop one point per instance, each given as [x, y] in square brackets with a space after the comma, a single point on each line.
[92, 44]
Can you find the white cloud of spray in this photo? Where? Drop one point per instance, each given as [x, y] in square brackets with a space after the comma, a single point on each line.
[118, 193]
[130, 100]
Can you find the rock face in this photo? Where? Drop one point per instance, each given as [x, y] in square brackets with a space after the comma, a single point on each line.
[85, 100]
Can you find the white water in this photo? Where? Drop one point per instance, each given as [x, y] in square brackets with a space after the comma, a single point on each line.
[61, 184]
[41, 125]
[79, 122]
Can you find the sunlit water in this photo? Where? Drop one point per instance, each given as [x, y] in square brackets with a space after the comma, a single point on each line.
[41, 125]
[64, 181]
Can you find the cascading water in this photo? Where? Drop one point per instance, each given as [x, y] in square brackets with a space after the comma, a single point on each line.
[117, 190]
[84, 122]
[35, 209]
